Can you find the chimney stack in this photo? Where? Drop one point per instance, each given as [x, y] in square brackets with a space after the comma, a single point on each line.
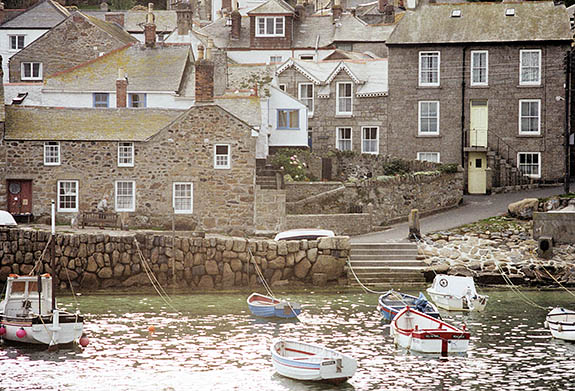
[300, 10]
[121, 88]
[184, 18]
[115, 17]
[389, 14]
[204, 76]
[381, 4]
[150, 28]
[2, 13]
[336, 10]
[226, 5]
[236, 21]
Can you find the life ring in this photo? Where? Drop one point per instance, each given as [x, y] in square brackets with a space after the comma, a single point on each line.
[443, 282]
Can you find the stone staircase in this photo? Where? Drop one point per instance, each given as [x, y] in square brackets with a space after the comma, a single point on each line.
[388, 264]
[269, 178]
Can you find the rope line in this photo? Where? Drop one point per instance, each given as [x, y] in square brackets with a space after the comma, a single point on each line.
[39, 260]
[359, 281]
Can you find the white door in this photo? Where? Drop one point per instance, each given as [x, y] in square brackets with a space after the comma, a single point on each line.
[476, 173]
[479, 122]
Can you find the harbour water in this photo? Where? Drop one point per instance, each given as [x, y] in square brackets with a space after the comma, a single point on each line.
[214, 343]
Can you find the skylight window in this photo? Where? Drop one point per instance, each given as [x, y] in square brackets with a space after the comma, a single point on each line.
[510, 12]
[456, 13]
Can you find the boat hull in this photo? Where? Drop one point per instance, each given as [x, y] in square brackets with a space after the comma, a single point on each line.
[42, 332]
[561, 324]
[455, 303]
[388, 307]
[268, 307]
[456, 293]
[312, 363]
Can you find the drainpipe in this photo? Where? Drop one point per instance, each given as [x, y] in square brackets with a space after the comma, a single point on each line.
[566, 179]
[463, 112]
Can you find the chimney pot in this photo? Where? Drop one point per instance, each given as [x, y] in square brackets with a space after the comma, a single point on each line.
[236, 23]
[381, 5]
[200, 52]
[184, 18]
[209, 49]
[2, 13]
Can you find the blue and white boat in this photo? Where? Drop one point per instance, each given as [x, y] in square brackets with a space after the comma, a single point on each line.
[303, 361]
[268, 307]
[391, 302]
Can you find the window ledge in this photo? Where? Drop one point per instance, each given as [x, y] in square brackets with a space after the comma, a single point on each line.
[479, 86]
[420, 87]
[538, 135]
[530, 85]
[288, 128]
[429, 135]
[344, 116]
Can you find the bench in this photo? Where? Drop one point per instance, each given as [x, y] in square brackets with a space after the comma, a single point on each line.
[100, 219]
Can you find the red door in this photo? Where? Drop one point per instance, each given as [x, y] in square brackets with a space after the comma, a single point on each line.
[19, 196]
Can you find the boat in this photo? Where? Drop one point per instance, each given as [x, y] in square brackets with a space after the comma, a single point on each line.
[267, 307]
[456, 293]
[303, 361]
[28, 313]
[6, 219]
[414, 330]
[302, 233]
[561, 323]
[391, 302]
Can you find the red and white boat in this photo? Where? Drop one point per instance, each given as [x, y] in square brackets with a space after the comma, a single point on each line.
[417, 331]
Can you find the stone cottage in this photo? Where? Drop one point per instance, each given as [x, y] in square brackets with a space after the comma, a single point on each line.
[481, 85]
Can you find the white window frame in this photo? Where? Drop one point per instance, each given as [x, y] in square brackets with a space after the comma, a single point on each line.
[174, 197]
[350, 97]
[31, 64]
[116, 195]
[125, 154]
[338, 139]
[419, 117]
[218, 165]
[308, 57]
[529, 82]
[141, 103]
[421, 156]
[538, 175]
[475, 69]
[266, 33]
[16, 36]
[76, 195]
[50, 145]
[521, 131]
[421, 70]
[283, 87]
[376, 140]
[275, 59]
[305, 99]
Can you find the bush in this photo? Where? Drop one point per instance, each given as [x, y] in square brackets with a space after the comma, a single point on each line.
[396, 167]
[448, 168]
[294, 168]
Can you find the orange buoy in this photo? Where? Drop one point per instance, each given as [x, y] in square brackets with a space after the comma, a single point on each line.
[151, 329]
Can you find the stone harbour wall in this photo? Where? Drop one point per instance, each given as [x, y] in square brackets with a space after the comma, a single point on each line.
[342, 224]
[113, 261]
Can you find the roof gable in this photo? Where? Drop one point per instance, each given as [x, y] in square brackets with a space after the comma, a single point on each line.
[272, 7]
[343, 67]
[43, 15]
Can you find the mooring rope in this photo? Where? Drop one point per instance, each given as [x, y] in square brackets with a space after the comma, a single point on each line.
[555, 279]
[359, 281]
[39, 260]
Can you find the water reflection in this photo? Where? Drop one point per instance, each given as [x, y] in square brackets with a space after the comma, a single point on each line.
[214, 343]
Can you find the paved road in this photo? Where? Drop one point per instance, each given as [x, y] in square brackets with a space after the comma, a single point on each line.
[474, 208]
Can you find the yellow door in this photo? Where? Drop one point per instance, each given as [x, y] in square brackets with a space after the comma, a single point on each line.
[478, 126]
[476, 174]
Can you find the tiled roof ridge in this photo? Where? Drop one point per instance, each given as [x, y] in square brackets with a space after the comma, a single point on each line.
[104, 25]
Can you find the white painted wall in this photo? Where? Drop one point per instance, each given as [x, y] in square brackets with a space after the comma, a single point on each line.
[34, 90]
[284, 138]
[263, 56]
[6, 53]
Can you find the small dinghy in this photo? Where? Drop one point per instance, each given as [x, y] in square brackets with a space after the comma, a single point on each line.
[302, 361]
[391, 302]
[561, 323]
[456, 293]
[28, 313]
[268, 307]
[417, 331]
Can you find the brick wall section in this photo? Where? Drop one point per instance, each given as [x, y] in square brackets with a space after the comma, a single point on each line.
[100, 261]
[121, 92]
[223, 200]
[65, 46]
[204, 74]
[370, 111]
[341, 224]
[270, 209]
[503, 95]
[284, 42]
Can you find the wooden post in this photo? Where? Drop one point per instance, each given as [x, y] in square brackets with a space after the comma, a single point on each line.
[173, 248]
[53, 255]
[413, 221]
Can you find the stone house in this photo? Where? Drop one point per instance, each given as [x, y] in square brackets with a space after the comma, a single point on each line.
[25, 28]
[194, 166]
[489, 99]
[77, 39]
[346, 99]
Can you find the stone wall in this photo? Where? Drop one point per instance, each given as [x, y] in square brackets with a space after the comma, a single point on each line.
[102, 261]
[349, 224]
[558, 225]
[296, 191]
[270, 209]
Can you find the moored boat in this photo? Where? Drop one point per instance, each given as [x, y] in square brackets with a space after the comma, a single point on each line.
[267, 306]
[28, 313]
[391, 302]
[561, 323]
[303, 361]
[419, 332]
[456, 293]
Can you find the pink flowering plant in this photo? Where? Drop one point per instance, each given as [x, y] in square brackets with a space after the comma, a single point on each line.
[290, 161]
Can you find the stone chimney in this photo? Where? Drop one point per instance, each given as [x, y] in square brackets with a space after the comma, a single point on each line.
[2, 13]
[381, 4]
[236, 21]
[184, 18]
[300, 10]
[204, 76]
[115, 17]
[336, 10]
[121, 88]
[150, 28]
[389, 14]
[226, 5]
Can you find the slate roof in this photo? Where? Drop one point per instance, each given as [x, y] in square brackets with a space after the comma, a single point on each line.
[59, 124]
[271, 7]
[157, 69]
[165, 20]
[112, 29]
[483, 22]
[43, 15]
[306, 33]
[246, 108]
[370, 76]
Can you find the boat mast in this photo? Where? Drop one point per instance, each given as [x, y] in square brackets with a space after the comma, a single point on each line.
[53, 255]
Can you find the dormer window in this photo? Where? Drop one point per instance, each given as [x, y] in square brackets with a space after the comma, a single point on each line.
[270, 26]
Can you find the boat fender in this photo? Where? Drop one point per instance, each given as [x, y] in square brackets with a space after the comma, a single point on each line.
[560, 328]
[21, 333]
[84, 341]
[546, 324]
[2, 330]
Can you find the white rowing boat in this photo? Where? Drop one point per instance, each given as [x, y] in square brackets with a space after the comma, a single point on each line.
[561, 323]
[456, 293]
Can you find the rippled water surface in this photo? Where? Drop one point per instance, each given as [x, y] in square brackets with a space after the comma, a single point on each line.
[216, 344]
